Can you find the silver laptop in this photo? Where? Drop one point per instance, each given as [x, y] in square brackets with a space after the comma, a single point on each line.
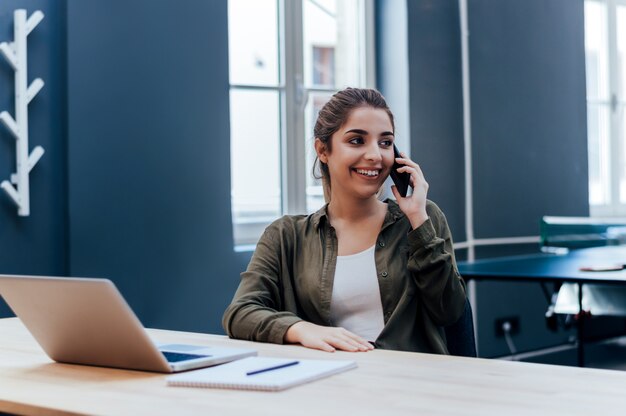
[87, 321]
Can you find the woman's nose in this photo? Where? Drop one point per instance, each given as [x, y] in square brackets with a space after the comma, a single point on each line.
[373, 153]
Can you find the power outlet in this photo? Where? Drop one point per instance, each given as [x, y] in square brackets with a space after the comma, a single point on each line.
[512, 320]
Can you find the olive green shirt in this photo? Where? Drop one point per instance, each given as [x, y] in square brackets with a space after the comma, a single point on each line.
[290, 278]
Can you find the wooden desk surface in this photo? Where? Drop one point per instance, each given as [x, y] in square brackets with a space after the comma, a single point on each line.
[386, 383]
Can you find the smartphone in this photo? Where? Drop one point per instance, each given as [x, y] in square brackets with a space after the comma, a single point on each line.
[401, 180]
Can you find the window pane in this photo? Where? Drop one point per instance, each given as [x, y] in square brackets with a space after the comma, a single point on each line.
[314, 191]
[255, 157]
[253, 42]
[620, 112]
[621, 52]
[598, 117]
[332, 43]
[621, 137]
[323, 66]
[596, 50]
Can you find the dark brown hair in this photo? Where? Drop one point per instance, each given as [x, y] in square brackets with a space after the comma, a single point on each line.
[335, 113]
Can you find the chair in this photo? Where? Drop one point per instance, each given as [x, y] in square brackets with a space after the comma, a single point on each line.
[460, 335]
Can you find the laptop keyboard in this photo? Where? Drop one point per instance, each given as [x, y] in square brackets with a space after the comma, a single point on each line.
[174, 357]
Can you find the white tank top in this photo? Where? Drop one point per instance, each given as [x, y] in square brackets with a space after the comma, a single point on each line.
[355, 303]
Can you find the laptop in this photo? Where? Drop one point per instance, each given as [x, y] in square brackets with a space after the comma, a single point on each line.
[87, 321]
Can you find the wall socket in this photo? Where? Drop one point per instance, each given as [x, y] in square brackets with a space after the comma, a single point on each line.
[513, 320]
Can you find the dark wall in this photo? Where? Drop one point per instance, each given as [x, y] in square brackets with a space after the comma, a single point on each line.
[529, 146]
[528, 114]
[436, 104]
[529, 142]
[149, 156]
[528, 111]
[36, 244]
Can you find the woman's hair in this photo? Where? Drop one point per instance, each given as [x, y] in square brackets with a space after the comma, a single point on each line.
[334, 114]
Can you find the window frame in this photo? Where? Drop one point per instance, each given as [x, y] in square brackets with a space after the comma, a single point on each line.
[293, 97]
[617, 111]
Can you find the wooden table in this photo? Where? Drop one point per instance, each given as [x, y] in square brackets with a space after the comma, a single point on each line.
[386, 383]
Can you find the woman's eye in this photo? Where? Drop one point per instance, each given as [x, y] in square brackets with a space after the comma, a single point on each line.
[356, 140]
[386, 143]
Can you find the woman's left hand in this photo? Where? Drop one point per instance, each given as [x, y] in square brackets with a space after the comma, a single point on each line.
[414, 205]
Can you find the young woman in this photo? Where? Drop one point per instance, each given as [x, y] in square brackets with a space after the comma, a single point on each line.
[359, 272]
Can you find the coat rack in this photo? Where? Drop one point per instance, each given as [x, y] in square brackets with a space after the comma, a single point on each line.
[15, 54]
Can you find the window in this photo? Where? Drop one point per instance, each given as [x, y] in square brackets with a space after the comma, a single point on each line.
[605, 50]
[323, 66]
[286, 58]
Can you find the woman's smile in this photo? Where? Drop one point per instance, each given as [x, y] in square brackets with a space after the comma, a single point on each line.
[368, 173]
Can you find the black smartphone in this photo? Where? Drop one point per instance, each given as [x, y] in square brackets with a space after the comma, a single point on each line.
[401, 180]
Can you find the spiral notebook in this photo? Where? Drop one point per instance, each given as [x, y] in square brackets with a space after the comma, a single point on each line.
[261, 373]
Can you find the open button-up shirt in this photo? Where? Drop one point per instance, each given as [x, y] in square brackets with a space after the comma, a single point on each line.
[290, 278]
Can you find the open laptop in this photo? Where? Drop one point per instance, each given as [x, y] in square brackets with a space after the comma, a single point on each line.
[87, 321]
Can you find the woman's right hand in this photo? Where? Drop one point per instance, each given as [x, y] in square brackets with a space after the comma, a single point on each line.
[325, 338]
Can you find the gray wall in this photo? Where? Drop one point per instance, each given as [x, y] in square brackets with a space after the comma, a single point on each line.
[36, 244]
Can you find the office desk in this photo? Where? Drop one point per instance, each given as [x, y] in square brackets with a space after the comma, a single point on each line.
[543, 267]
[386, 383]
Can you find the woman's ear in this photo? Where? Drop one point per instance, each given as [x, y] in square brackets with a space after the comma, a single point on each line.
[321, 150]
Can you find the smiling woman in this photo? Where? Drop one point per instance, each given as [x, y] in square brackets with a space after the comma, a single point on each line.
[363, 146]
[359, 272]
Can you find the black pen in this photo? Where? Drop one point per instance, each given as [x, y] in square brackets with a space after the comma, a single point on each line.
[276, 367]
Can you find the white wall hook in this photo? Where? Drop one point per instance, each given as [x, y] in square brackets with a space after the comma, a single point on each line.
[16, 54]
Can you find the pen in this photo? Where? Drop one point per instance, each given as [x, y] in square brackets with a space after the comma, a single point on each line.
[276, 367]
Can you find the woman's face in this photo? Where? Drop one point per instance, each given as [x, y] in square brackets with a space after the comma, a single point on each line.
[362, 153]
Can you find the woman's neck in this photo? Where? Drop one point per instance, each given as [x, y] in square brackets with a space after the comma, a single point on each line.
[356, 221]
[344, 208]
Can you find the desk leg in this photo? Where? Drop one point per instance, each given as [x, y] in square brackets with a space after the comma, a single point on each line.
[580, 327]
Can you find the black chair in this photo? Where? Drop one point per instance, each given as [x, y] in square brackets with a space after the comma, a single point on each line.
[460, 335]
